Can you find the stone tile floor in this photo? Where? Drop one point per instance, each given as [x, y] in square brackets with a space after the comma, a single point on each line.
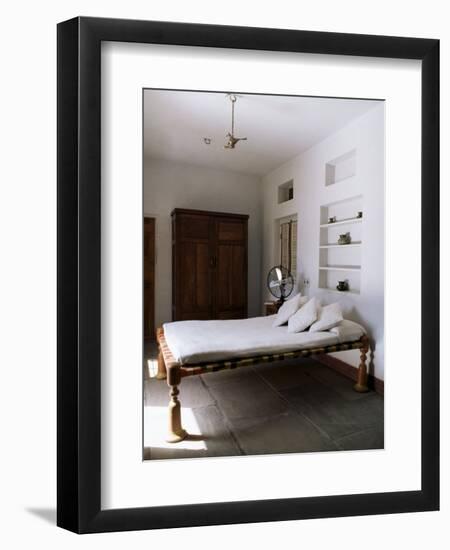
[286, 407]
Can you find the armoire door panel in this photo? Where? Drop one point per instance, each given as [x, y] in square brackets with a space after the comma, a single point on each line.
[203, 277]
[231, 279]
[194, 296]
[187, 265]
[239, 281]
[230, 230]
[224, 276]
[194, 228]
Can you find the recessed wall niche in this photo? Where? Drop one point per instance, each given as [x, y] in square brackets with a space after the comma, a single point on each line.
[286, 191]
[340, 168]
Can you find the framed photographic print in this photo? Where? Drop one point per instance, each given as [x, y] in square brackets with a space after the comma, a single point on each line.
[248, 288]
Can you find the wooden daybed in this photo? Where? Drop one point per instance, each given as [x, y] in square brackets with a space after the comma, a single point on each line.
[169, 368]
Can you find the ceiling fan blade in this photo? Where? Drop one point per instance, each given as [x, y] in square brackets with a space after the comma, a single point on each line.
[232, 142]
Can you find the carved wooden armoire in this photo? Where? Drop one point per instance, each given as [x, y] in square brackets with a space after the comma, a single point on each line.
[209, 265]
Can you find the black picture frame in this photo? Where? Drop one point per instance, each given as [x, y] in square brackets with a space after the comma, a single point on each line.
[79, 281]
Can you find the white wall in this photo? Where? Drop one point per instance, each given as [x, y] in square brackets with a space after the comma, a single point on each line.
[169, 185]
[366, 135]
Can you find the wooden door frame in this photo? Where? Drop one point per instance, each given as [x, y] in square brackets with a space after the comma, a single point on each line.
[154, 218]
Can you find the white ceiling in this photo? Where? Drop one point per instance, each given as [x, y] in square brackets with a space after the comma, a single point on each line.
[277, 127]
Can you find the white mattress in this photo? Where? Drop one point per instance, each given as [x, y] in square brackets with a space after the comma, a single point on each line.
[201, 341]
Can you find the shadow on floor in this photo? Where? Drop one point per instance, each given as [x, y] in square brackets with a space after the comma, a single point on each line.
[46, 514]
[286, 407]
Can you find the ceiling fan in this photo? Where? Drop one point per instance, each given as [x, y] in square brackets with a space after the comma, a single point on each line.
[232, 140]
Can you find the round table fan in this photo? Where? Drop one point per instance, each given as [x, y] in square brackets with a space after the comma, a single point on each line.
[280, 283]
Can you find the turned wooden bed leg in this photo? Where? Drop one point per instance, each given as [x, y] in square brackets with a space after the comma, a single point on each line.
[176, 431]
[162, 372]
[361, 382]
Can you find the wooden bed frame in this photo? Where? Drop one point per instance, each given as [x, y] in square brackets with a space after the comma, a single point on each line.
[169, 368]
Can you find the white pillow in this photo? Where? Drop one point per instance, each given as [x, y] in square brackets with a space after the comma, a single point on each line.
[304, 317]
[289, 308]
[328, 317]
[348, 331]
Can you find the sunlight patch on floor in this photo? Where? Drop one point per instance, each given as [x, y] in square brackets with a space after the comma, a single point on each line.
[152, 367]
[155, 429]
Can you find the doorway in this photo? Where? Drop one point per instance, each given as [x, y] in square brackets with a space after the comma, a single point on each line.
[149, 279]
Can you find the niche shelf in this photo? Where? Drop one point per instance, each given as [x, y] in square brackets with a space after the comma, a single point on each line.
[340, 168]
[346, 221]
[352, 244]
[337, 261]
[330, 289]
[340, 267]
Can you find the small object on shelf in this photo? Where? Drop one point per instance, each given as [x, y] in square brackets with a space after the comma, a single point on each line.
[343, 285]
[359, 215]
[345, 238]
[332, 219]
